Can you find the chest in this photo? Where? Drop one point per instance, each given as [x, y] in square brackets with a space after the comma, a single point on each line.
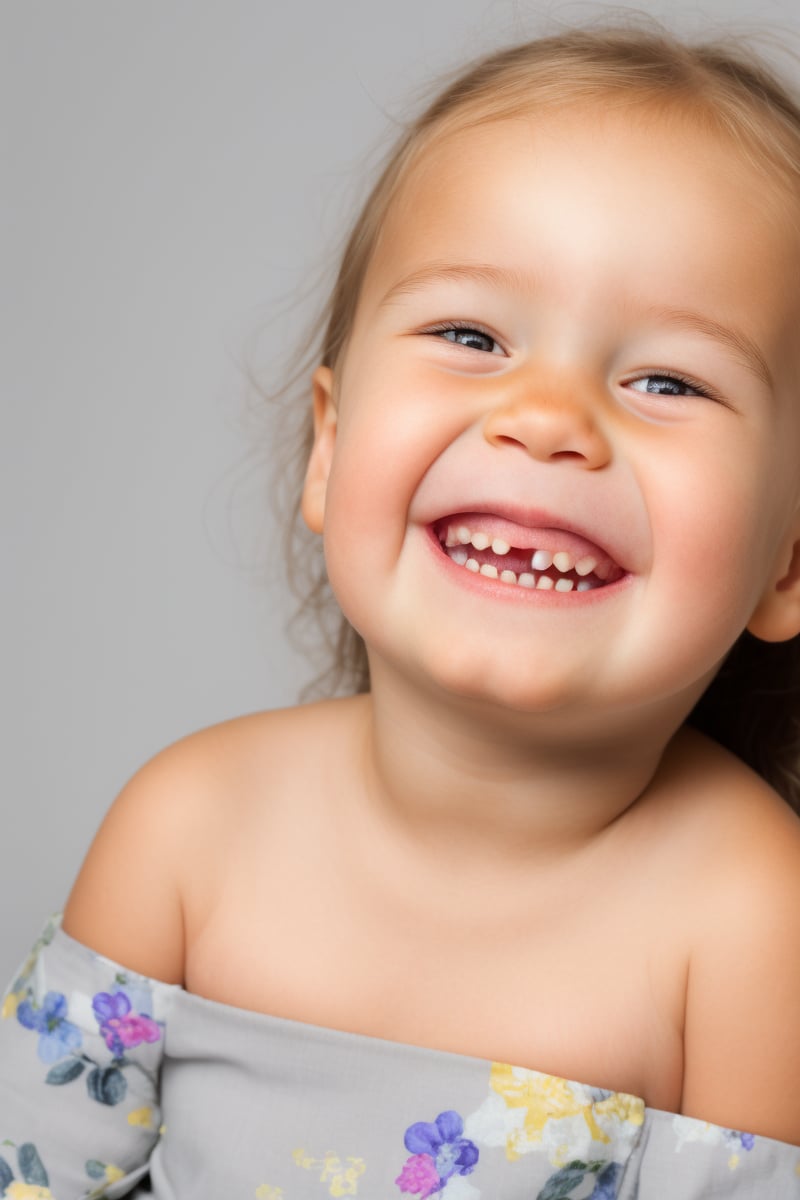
[585, 985]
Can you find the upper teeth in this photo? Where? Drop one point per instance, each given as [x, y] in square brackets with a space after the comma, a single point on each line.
[563, 560]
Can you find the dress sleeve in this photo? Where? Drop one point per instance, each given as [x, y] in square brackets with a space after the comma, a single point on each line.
[81, 1044]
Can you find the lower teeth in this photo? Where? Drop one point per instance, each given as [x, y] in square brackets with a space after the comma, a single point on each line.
[544, 583]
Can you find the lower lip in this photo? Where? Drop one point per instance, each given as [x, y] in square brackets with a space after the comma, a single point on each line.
[515, 594]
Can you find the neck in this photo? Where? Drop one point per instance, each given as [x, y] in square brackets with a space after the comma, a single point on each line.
[461, 779]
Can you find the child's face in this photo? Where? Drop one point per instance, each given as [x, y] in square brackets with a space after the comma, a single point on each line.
[627, 396]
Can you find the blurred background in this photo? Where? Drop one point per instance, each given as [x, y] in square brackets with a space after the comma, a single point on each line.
[177, 178]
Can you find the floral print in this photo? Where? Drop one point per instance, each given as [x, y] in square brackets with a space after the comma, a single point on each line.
[93, 1035]
[584, 1133]
[34, 1184]
[81, 1045]
[341, 1176]
[438, 1150]
[689, 1129]
[57, 1035]
[419, 1176]
[527, 1112]
[61, 1043]
[121, 1028]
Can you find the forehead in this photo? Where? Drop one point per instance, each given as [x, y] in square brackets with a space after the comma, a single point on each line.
[638, 198]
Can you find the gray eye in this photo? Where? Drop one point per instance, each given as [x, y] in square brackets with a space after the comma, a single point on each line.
[664, 385]
[472, 338]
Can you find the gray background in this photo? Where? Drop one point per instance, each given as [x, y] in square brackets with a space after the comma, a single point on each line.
[174, 174]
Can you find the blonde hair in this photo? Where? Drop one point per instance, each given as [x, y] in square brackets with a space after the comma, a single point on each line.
[719, 85]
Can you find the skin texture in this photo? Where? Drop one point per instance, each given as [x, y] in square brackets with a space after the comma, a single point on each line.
[506, 849]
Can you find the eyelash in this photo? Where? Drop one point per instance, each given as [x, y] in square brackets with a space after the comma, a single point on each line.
[456, 326]
[688, 381]
[695, 385]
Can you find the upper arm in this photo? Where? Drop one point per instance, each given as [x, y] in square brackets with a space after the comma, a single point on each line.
[742, 1032]
[127, 900]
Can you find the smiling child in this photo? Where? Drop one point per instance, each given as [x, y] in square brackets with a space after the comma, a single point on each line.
[503, 924]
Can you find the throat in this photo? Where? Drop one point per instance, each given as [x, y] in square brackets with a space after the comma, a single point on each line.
[469, 784]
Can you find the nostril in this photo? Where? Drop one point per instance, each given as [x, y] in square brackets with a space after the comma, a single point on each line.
[504, 439]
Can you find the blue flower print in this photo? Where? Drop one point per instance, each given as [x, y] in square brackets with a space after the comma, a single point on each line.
[439, 1151]
[607, 1181]
[58, 1037]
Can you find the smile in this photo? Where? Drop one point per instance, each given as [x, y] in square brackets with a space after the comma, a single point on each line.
[556, 564]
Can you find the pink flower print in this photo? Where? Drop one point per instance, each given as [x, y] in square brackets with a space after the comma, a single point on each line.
[121, 1028]
[419, 1176]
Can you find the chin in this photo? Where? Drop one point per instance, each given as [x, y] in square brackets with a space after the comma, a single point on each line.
[501, 684]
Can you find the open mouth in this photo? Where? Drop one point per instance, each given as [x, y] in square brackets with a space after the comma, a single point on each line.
[551, 559]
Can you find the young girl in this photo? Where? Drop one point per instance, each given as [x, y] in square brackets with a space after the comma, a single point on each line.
[367, 947]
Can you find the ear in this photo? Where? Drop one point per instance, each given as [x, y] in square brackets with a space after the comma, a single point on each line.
[777, 616]
[319, 463]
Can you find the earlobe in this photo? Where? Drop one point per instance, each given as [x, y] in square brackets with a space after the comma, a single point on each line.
[321, 457]
[777, 616]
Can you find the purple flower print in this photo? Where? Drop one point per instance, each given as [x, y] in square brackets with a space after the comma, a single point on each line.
[739, 1141]
[58, 1037]
[121, 1028]
[438, 1151]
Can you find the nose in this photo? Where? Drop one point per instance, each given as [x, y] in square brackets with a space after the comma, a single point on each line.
[551, 424]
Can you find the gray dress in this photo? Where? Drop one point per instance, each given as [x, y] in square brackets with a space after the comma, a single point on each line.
[113, 1084]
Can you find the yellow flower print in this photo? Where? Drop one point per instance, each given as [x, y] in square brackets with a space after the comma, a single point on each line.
[104, 1174]
[539, 1099]
[27, 1191]
[623, 1107]
[343, 1176]
[265, 1192]
[11, 1004]
[142, 1117]
[542, 1098]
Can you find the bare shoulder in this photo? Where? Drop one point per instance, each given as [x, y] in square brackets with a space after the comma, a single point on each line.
[162, 849]
[742, 1034]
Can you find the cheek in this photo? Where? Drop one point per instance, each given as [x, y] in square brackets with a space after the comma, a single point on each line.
[386, 443]
[715, 525]
[369, 490]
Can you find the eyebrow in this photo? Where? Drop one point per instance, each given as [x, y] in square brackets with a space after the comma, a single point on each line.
[500, 278]
[509, 279]
[743, 346]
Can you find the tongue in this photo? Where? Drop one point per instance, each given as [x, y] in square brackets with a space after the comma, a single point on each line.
[516, 560]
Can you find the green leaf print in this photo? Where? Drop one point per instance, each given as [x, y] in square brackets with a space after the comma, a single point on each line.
[6, 1175]
[107, 1084]
[65, 1072]
[30, 1166]
[564, 1182]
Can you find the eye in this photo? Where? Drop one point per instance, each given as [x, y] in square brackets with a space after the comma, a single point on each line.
[664, 383]
[461, 333]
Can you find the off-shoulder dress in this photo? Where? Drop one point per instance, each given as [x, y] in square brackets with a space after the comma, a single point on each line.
[113, 1084]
